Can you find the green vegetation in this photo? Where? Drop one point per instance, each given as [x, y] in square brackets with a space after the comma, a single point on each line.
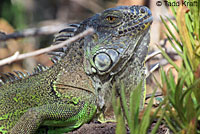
[180, 109]
[14, 13]
[131, 114]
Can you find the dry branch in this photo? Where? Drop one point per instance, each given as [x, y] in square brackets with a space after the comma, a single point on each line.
[18, 56]
[45, 30]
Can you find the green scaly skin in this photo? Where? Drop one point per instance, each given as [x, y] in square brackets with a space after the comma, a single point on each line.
[78, 86]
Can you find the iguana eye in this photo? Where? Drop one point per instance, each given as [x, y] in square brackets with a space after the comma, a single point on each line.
[102, 61]
[111, 19]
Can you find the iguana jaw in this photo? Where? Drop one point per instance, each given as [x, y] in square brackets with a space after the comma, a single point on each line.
[120, 72]
[127, 54]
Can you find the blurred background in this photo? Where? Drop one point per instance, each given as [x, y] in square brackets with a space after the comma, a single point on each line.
[18, 15]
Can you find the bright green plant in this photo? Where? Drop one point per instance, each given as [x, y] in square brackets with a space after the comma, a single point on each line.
[183, 95]
[130, 114]
[180, 108]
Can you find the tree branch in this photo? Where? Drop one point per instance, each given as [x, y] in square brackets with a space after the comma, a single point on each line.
[18, 56]
[45, 30]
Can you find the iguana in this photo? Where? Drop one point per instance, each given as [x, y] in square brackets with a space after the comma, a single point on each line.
[78, 86]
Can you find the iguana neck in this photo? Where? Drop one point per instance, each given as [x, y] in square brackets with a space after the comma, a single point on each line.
[71, 73]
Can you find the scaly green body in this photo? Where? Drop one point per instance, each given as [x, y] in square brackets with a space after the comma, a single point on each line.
[78, 85]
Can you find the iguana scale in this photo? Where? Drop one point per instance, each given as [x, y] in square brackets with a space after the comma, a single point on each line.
[78, 86]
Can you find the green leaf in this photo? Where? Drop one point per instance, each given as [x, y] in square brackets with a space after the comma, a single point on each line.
[135, 98]
[125, 107]
[173, 8]
[170, 125]
[146, 118]
[120, 128]
[173, 45]
[173, 24]
[154, 130]
[170, 32]
[168, 59]
[172, 83]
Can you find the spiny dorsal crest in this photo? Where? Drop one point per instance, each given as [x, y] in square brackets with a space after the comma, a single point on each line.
[60, 37]
[18, 75]
[56, 56]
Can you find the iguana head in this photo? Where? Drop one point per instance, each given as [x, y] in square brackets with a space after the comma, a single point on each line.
[120, 40]
[118, 31]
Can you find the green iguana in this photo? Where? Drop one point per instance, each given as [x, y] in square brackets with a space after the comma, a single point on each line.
[78, 86]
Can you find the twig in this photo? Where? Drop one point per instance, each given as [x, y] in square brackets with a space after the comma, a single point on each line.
[89, 4]
[45, 30]
[149, 72]
[18, 56]
[156, 95]
[149, 56]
